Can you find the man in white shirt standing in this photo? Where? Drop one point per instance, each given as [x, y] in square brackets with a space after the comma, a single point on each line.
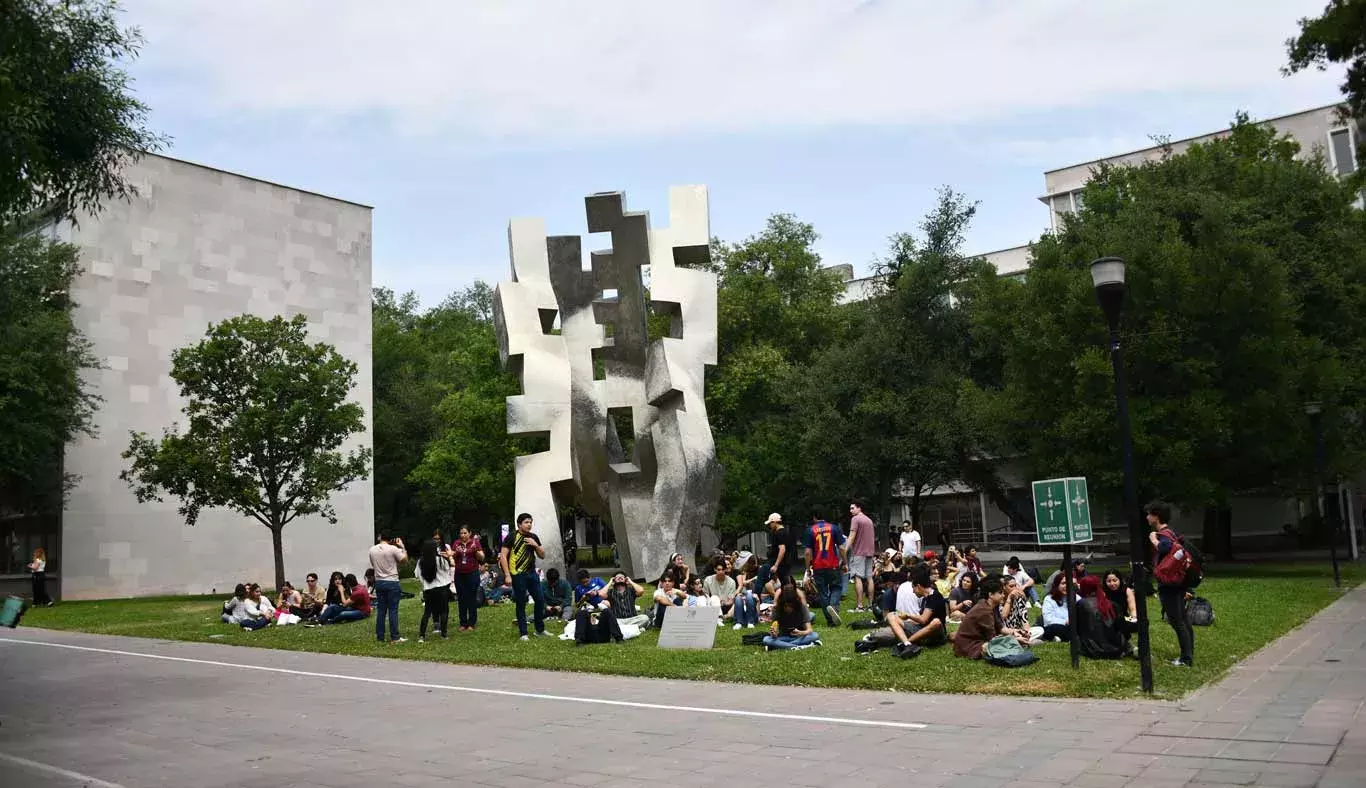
[910, 540]
[384, 559]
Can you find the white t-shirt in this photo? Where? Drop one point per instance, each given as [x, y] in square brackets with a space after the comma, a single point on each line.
[39, 565]
[906, 600]
[910, 542]
[1021, 577]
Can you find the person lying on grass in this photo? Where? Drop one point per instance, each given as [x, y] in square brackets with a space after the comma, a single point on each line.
[983, 622]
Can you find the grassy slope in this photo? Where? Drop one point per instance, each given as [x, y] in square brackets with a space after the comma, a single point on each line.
[1242, 597]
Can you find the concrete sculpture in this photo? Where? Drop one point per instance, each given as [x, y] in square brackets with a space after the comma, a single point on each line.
[601, 364]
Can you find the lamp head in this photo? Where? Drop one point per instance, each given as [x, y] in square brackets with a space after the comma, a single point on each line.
[1107, 274]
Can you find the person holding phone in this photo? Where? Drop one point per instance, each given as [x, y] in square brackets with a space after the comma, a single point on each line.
[384, 560]
[518, 561]
[791, 621]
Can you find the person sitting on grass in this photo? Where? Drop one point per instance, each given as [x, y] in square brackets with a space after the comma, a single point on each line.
[1055, 612]
[497, 589]
[697, 595]
[667, 596]
[927, 628]
[973, 563]
[622, 599]
[1098, 635]
[334, 591]
[1121, 597]
[721, 589]
[1022, 578]
[559, 596]
[944, 578]
[1015, 611]
[313, 597]
[679, 570]
[962, 598]
[900, 604]
[257, 610]
[590, 590]
[983, 621]
[791, 622]
[289, 600]
[355, 604]
[235, 609]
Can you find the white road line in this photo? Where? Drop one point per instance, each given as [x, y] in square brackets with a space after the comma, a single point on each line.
[484, 691]
[85, 779]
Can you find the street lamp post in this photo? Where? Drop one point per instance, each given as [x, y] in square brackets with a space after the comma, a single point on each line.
[1107, 274]
[1315, 411]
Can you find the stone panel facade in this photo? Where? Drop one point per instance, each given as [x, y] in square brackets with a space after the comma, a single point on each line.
[198, 246]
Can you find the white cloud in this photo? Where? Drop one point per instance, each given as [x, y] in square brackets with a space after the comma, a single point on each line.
[562, 72]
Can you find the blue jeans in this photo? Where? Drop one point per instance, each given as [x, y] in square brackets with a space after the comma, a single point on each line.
[830, 585]
[336, 614]
[791, 641]
[1033, 592]
[255, 623]
[746, 609]
[388, 593]
[523, 585]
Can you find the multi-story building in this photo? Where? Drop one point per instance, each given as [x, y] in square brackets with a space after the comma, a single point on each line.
[967, 513]
[196, 246]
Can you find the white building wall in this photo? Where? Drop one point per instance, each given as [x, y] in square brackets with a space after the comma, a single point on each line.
[198, 246]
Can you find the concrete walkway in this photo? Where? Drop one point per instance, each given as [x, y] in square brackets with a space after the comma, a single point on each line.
[81, 709]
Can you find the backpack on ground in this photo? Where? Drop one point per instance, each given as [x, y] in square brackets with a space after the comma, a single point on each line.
[1006, 652]
[753, 638]
[1199, 612]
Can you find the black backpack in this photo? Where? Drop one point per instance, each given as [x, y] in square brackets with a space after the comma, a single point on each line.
[1199, 612]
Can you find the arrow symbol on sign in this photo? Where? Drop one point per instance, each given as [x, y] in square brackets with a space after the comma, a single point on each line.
[1079, 501]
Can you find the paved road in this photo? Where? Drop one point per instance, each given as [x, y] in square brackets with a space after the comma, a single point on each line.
[98, 711]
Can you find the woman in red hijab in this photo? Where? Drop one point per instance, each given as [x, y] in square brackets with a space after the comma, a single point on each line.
[1097, 634]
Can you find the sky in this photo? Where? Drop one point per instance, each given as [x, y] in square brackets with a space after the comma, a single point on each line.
[450, 117]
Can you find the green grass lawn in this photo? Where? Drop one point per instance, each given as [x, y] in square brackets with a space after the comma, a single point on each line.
[1241, 596]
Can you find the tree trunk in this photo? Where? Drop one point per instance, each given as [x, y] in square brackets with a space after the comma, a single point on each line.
[1217, 533]
[915, 506]
[277, 543]
[884, 494]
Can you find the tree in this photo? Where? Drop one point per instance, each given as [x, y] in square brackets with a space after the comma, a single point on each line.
[44, 402]
[1337, 36]
[68, 122]
[268, 414]
[466, 469]
[777, 308]
[1246, 276]
[888, 405]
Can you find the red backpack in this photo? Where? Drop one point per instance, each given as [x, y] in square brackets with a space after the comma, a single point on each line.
[1181, 566]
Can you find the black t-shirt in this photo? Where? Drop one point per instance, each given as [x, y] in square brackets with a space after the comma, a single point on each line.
[779, 537]
[960, 596]
[936, 603]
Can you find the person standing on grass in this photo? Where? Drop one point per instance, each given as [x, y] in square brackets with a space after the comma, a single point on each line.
[825, 556]
[466, 556]
[518, 560]
[384, 560]
[38, 566]
[434, 570]
[1173, 596]
[862, 546]
[910, 539]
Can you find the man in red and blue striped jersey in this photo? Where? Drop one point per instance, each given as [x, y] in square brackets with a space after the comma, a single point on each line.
[825, 560]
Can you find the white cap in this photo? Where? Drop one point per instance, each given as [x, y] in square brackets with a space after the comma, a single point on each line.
[774, 518]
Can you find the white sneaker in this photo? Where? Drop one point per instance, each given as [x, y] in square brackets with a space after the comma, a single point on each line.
[749, 626]
[1176, 663]
[525, 639]
[720, 623]
[737, 626]
[400, 640]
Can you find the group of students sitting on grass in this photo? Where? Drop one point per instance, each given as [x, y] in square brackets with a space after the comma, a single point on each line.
[343, 599]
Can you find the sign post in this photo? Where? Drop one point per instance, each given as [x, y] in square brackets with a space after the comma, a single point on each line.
[1062, 515]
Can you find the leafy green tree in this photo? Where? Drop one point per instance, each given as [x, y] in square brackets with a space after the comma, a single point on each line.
[68, 122]
[777, 308]
[1246, 269]
[268, 414]
[888, 405]
[465, 474]
[1336, 36]
[44, 403]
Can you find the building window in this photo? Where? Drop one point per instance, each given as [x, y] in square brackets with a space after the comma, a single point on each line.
[1342, 151]
[1062, 203]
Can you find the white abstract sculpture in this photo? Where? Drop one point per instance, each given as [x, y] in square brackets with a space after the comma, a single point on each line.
[658, 498]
